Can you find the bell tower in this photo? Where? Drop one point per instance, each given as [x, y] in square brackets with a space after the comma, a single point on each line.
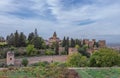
[54, 35]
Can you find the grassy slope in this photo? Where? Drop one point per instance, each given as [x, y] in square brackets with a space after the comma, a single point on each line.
[99, 73]
[84, 73]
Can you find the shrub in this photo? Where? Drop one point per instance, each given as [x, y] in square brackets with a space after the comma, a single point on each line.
[43, 64]
[76, 60]
[12, 48]
[62, 65]
[31, 50]
[105, 57]
[25, 62]
[35, 64]
[63, 53]
[2, 64]
[82, 51]
[49, 52]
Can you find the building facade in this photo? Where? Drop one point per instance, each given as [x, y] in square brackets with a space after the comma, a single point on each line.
[53, 39]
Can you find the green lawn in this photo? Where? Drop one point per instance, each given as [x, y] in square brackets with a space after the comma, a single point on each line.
[99, 73]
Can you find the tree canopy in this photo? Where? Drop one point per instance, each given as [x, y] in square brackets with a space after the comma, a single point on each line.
[76, 60]
[105, 57]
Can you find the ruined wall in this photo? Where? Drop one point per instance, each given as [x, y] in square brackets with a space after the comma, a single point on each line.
[10, 58]
[72, 50]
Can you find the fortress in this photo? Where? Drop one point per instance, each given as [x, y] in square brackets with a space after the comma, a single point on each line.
[93, 45]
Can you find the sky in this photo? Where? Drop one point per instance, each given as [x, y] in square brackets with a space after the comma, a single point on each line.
[98, 19]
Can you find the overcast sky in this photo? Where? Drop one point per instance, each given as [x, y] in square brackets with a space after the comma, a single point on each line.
[74, 18]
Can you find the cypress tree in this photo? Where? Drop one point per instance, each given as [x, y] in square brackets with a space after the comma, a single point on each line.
[22, 40]
[57, 48]
[64, 42]
[72, 42]
[10, 39]
[67, 45]
[16, 38]
[31, 37]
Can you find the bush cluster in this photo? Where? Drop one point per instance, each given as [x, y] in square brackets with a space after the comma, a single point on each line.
[104, 57]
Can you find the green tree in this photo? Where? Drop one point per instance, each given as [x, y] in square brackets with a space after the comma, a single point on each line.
[64, 42]
[38, 42]
[31, 50]
[77, 46]
[31, 37]
[57, 48]
[79, 42]
[67, 45]
[72, 42]
[76, 60]
[10, 39]
[49, 52]
[16, 39]
[22, 40]
[105, 57]
[83, 50]
[53, 45]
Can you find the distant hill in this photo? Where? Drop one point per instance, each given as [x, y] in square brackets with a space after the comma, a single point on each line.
[113, 44]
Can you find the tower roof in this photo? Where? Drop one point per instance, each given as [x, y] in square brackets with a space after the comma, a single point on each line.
[54, 35]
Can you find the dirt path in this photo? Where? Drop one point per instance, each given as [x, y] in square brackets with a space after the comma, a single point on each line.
[57, 58]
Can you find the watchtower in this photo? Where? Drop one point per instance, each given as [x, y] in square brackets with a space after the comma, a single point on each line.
[10, 58]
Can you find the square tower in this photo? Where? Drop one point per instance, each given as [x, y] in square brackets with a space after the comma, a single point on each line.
[10, 58]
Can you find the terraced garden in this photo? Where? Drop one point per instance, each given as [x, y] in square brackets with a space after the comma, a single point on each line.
[99, 72]
[56, 72]
[53, 70]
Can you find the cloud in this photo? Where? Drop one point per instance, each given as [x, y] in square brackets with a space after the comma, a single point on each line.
[7, 6]
[74, 18]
